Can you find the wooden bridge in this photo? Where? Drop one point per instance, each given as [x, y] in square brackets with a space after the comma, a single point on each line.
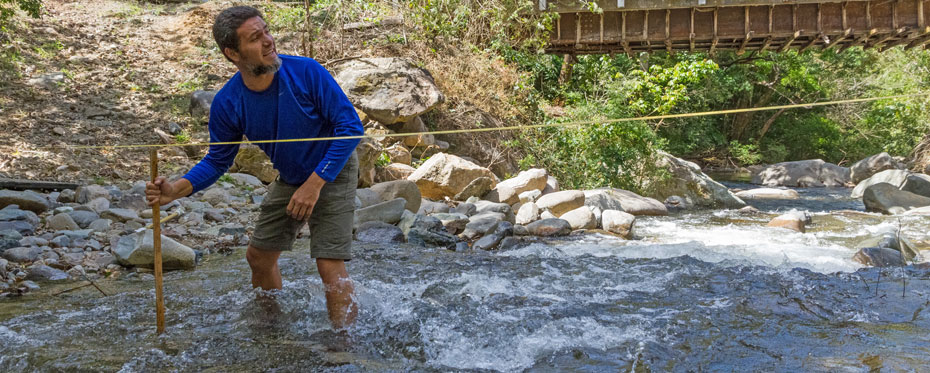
[629, 26]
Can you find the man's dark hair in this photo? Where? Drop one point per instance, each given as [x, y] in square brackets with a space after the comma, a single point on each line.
[226, 24]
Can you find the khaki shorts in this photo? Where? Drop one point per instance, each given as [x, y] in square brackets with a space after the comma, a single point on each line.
[330, 222]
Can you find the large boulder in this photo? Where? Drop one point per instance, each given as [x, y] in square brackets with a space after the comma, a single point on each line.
[389, 212]
[428, 231]
[508, 191]
[399, 189]
[528, 213]
[903, 179]
[888, 199]
[768, 193]
[476, 188]
[445, 175]
[623, 200]
[87, 193]
[687, 181]
[807, 173]
[879, 257]
[869, 166]
[549, 227]
[253, 161]
[618, 222]
[138, 250]
[580, 218]
[26, 200]
[559, 203]
[388, 90]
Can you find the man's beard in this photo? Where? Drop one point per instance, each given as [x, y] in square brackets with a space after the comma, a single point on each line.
[266, 69]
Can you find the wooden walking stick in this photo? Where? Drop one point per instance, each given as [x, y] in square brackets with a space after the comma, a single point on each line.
[156, 247]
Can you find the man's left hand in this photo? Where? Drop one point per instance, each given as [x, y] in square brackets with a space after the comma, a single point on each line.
[303, 200]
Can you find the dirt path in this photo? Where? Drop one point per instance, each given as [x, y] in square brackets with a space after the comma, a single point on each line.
[126, 68]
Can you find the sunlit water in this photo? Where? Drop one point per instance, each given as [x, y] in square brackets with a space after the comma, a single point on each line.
[698, 291]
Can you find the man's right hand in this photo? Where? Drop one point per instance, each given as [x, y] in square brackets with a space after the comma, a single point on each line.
[164, 191]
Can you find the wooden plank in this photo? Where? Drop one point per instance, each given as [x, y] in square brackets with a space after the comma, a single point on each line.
[886, 37]
[920, 40]
[23, 184]
[788, 43]
[742, 47]
[839, 39]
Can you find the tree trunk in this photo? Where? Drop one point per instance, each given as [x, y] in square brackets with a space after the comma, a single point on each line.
[568, 63]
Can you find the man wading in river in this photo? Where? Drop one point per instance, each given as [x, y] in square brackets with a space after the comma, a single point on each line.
[284, 97]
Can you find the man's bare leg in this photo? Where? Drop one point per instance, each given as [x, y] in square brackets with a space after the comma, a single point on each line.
[339, 291]
[264, 264]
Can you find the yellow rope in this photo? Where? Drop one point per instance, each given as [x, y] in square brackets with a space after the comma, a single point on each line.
[505, 128]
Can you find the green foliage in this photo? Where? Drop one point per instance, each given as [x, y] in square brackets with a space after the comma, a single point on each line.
[745, 154]
[8, 8]
[383, 160]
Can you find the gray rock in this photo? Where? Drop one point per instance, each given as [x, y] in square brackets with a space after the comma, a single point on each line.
[48, 81]
[45, 273]
[477, 188]
[461, 246]
[120, 215]
[530, 196]
[30, 285]
[133, 202]
[61, 222]
[479, 227]
[82, 234]
[368, 197]
[428, 231]
[618, 222]
[791, 221]
[15, 214]
[676, 203]
[87, 193]
[60, 241]
[807, 173]
[33, 241]
[98, 259]
[388, 90]
[399, 189]
[768, 193]
[504, 229]
[407, 219]
[445, 175]
[21, 226]
[888, 199]
[454, 223]
[379, 232]
[428, 207]
[918, 184]
[63, 209]
[549, 227]
[468, 209]
[246, 179]
[233, 229]
[891, 239]
[389, 212]
[893, 177]
[72, 259]
[200, 103]
[11, 234]
[215, 196]
[137, 250]
[488, 242]
[510, 243]
[624, 200]
[22, 254]
[174, 128]
[98, 205]
[879, 257]
[580, 218]
[872, 165]
[25, 200]
[66, 196]
[83, 218]
[100, 225]
[559, 203]
[508, 191]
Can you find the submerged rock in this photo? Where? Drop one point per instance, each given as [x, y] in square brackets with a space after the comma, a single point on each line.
[879, 257]
[137, 250]
[379, 232]
[768, 193]
[549, 227]
[807, 173]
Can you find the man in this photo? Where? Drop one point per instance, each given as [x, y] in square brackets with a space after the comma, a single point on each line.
[284, 97]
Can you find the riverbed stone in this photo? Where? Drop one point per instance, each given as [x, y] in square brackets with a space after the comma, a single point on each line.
[368, 197]
[379, 232]
[215, 196]
[100, 225]
[528, 213]
[768, 193]
[688, 181]
[21, 226]
[22, 254]
[879, 257]
[137, 250]
[806, 173]
[26, 200]
[872, 165]
[508, 191]
[246, 179]
[623, 200]
[13, 213]
[559, 203]
[454, 223]
[87, 193]
[552, 185]
[580, 218]
[399, 154]
[888, 199]
[66, 196]
[549, 227]
[792, 221]
[60, 222]
[476, 188]
[445, 175]
[428, 207]
[618, 222]
[83, 218]
[253, 161]
[399, 189]
[41, 272]
[466, 208]
[428, 231]
[903, 179]
[120, 215]
[393, 171]
[389, 212]
[489, 242]
[479, 227]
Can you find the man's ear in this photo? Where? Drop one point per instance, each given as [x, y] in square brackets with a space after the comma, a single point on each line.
[232, 54]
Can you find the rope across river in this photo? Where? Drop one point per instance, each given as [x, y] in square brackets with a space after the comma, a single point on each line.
[503, 128]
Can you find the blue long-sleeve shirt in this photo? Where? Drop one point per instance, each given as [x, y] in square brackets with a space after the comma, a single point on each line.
[303, 101]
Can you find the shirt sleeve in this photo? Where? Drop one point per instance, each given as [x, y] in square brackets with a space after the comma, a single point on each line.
[220, 157]
[336, 108]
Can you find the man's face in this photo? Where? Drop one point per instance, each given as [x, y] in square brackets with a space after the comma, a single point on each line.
[257, 52]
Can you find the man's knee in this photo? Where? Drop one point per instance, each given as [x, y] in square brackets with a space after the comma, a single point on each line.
[332, 271]
[261, 259]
